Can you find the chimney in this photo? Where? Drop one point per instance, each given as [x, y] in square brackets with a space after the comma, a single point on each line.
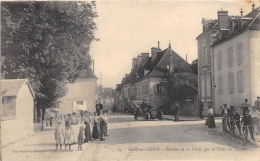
[253, 6]
[134, 63]
[159, 50]
[139, 61]
[154, 53]
[171, 58]
[145, 57]
[223, 19]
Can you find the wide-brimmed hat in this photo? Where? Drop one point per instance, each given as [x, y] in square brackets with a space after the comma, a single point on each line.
[74, 113]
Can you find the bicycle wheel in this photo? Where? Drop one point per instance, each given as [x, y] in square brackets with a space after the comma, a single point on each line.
[245, 135]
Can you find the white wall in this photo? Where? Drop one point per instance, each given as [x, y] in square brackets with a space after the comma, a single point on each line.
[82, 88]
[236, 98]
[22, 125]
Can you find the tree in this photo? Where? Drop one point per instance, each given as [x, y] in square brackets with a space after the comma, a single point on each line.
[194, 66]
[48, 43]
[181, 86]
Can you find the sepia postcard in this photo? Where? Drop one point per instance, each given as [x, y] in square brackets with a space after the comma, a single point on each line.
[130, 80]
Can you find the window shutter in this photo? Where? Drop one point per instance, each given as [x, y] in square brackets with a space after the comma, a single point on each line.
[231, 57]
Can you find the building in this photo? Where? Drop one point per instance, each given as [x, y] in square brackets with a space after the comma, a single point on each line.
[237, 59]
[17, 109]
[82, 94]
[144, 81]
[205, 62]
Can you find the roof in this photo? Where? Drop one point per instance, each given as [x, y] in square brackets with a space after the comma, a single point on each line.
[251, 21]
[11, 87]
[159, 67]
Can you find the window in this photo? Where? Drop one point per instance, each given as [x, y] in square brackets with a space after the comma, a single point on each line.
[219, 59]
[240, 81]
[220, 84]
[8, 108]
[239, 54]
[159, 89]
[79, 102]
[231, 82]
[230, 56]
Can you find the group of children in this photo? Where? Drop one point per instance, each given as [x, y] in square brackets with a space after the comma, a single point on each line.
[64, 134]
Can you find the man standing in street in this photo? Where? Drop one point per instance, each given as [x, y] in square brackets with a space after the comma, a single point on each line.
[257, 104]
[99, 107]
[176, 111]
[226, 113]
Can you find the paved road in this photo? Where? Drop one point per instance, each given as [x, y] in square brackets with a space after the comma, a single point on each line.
[166, 140]
[139, 140]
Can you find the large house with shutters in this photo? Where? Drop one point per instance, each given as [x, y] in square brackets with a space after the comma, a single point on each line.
[144, 81]
[229, 60]
[237, 60]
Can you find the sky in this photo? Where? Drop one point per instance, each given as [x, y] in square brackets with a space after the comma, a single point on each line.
[129, 28]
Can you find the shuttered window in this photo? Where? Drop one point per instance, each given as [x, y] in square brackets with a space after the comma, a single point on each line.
[239, 54]
[230, 56]
[231, 82]
[240, 81]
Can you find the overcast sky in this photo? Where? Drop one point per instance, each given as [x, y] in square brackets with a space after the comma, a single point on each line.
[126, 29]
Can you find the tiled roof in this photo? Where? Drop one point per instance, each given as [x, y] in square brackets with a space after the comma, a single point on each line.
[11, 87]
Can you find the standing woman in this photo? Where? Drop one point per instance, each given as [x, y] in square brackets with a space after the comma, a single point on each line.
[74, 128]
[96, 127]
[87, 121]
[211, 121]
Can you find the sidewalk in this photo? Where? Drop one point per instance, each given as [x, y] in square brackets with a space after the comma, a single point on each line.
[40, 147]
[218, 129]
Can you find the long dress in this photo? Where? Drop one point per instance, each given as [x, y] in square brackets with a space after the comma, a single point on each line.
[74, 129]
[96, 129]
[87, 128]
[210, 119]
[59, 134]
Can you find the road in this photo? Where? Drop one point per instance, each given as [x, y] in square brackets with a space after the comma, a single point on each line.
[139, 140]
[166, 140]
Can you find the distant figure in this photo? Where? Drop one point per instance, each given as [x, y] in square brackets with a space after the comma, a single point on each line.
[235, 119]
[245, 106]
[99, 107]
[211, 120]
[200, 109]
[114, 109]
[226, 113]
[247, 121]
[176, 111]
[257, 103]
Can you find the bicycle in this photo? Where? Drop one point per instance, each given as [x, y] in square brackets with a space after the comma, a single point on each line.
[245, 134]
[234, 128]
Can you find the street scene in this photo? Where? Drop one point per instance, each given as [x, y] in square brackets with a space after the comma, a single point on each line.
[131, 140]
[126, 80]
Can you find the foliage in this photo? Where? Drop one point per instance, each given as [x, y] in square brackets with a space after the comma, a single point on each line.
[181, 86]
[194, 66]
[48, 43]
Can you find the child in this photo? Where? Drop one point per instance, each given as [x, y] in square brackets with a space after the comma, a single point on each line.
[81, 137]
[58, 134]
[106, 119]
[67, 138]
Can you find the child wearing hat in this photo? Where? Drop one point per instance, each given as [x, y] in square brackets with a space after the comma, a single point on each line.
[59, 135]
